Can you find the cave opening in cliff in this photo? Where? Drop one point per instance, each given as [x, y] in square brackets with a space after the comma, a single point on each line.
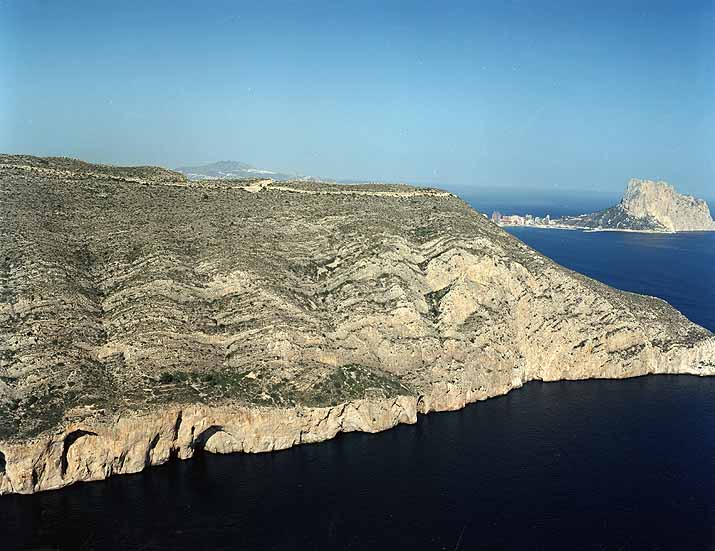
[203, 438]
[3, 463]
[70, 439]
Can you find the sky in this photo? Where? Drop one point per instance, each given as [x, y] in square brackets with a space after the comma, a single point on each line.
[506, 95]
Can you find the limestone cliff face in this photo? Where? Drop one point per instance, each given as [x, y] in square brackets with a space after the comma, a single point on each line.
[144, 317]
[128, 444]
[648, 206]
[660, 201]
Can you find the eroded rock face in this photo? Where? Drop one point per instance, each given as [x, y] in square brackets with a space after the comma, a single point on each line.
[648, 206]
[128, 444]
[144, 317]
[660, 201]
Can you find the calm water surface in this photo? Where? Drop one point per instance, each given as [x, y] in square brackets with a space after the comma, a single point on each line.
[593, 465]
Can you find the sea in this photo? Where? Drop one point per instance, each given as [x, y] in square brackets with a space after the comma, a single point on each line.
[592, 465]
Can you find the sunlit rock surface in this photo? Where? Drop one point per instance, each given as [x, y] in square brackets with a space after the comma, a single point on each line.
[649, 206]
[144, 317]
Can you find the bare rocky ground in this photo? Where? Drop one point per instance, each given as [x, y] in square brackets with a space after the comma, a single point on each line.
[145, 317]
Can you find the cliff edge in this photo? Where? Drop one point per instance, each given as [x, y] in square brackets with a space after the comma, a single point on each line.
[144, 317]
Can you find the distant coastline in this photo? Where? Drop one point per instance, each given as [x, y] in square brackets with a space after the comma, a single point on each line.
[646, 207]
[558, 226]
[553, 225]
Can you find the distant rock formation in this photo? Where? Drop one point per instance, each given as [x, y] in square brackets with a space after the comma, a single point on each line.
[144, 317]
[649, 206]
[225, 170]
[660, 201]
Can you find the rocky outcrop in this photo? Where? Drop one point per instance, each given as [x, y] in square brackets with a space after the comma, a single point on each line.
[649, 206]
[144, 317]
[660, 201]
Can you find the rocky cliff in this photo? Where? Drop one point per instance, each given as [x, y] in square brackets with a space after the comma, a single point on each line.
[650, 206]
[144, 317]
[660, 201]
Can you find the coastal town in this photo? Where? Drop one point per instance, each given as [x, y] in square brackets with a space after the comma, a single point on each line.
[517, 220]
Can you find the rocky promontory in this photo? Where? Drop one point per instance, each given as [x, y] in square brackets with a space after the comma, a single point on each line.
[648, 206]
[145, 317]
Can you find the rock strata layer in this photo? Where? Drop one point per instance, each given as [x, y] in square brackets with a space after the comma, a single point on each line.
[144, 317]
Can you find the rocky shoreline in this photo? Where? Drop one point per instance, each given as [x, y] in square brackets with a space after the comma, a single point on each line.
[126, 445]
[144, 317]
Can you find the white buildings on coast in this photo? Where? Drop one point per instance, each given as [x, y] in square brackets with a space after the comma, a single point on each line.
[517, 220]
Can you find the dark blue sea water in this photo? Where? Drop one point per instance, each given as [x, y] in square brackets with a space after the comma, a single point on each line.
[593, 465]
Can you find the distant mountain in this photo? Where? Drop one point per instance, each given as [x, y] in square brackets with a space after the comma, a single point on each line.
[230, 170]
[234, 169]
[651, 206]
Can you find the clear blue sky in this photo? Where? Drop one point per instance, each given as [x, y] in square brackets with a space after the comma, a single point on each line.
[577, 95]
